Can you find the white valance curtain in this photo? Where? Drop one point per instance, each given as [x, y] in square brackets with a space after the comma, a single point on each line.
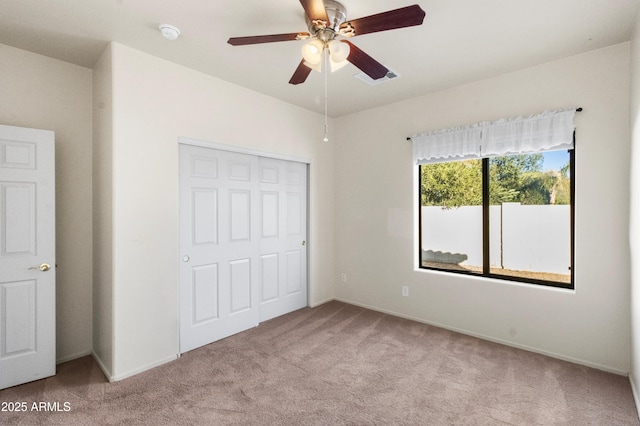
[549, 131]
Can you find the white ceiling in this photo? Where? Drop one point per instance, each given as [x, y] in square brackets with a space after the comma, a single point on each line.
[460, 40]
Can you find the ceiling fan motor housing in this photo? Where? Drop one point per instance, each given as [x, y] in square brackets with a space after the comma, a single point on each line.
[337, 14]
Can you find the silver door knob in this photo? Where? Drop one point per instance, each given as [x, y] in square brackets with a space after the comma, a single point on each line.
[44, 267]
[186, 259]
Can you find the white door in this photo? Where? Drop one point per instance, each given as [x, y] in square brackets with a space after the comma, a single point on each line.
[283, 235]
[242, 242]
[27, 255]
[218, 229]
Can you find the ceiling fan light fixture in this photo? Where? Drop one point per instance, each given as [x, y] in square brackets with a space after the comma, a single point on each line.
[312, 52]
[326, 20]
[335, 66]
[339, 51]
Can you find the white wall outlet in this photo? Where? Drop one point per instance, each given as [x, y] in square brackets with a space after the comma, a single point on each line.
[343, 278]
[405, 291]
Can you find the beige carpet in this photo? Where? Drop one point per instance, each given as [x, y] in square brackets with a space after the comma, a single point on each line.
[337, 364]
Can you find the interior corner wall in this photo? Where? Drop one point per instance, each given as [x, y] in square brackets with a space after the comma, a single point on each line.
[103, 212]
[634, 231]
[376, 213]
[155, 102]
[45, 93]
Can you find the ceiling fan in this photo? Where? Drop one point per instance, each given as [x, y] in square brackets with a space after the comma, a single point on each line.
[328, 28]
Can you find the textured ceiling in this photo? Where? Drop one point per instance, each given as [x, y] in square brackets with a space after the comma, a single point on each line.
[460, 40]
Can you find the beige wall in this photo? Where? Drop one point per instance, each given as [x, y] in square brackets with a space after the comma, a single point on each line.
[103, 212]
[45, 93]
[634, 234]
[376, 206]
[142, 105]
[154, 103]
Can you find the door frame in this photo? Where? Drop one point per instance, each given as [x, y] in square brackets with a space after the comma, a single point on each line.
[258, 153]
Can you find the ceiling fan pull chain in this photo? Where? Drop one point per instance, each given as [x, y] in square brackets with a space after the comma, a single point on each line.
[326, 97]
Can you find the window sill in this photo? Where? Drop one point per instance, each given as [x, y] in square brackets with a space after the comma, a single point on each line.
[497, 278]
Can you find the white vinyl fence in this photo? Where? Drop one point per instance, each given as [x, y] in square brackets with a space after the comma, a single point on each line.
[522, 237]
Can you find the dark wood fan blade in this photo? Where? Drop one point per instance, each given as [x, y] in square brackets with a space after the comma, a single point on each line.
[301, 73]
[240, 41]
[399, 18]
[366, 63]
[315, 10]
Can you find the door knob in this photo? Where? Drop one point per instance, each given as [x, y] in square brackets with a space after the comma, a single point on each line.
[44, 267]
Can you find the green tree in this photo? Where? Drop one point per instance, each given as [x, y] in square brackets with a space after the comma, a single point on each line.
[537, 187]
[452, 184]
[562, 189]
[514, 178]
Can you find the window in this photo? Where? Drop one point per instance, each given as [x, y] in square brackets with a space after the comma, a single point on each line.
[504, 217]
[496, 199]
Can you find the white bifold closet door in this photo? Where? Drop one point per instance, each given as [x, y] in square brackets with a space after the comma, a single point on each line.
[243, 258]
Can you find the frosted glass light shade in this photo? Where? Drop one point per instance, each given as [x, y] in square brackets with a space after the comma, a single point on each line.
[338, 54]
[335, 66]
[312, 52]
[339, 51]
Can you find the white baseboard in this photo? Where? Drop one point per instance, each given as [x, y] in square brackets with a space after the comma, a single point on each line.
[104, 369]
[493, 339]
[72, 357]
[322, 302]
[634, 391]
[143, 368]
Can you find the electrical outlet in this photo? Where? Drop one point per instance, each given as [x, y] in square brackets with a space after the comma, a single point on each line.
[343, 278]
[405, 291]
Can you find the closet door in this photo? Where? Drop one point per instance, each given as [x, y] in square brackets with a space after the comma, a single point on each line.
[243, 250]
[218, 245]
[283, 235]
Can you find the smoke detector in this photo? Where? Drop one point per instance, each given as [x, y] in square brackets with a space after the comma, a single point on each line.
[169, 31]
